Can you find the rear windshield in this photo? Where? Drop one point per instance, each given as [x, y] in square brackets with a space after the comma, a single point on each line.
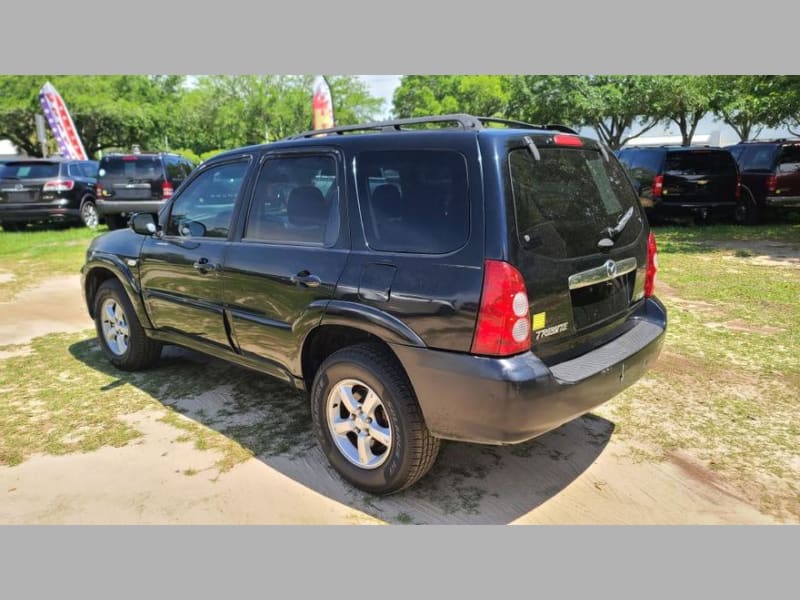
[147, 168]
[414, 200]
[28, 170]
[757, 158]
[699, 163]
[567, 200]
[640, 162]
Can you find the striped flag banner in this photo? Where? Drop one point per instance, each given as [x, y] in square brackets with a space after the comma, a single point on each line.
[69, 144]
[322, 104]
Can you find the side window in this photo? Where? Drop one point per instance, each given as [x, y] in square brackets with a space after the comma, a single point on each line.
[789, 160]
[175, 171]
[414, 200]
[74, 170]
[205, 207]
[295, 201]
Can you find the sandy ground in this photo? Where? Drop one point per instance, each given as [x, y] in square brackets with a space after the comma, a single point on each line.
[576, 474]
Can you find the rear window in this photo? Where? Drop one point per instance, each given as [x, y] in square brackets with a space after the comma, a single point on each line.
[757, 158]
[143, 168]
[789, 160]
[699, 163]
[567, 200]
[28, 170]
[414, 200]
[642, 161]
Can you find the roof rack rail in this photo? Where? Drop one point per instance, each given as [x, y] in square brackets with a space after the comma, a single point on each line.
[462, 120]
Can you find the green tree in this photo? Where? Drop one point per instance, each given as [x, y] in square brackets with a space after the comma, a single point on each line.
[481, 95]
[108, 111]
[683, 100]
[748, 103]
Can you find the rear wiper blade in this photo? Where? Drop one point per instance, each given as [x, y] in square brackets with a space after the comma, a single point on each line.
[611, 233]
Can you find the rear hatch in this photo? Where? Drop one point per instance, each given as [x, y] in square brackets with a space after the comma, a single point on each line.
[787, 172]
[131, 177]
[22, 182]
[699, 176]
[581, 244]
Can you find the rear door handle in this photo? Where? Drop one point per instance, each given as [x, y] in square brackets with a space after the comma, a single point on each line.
[203, 266]
[307, 279]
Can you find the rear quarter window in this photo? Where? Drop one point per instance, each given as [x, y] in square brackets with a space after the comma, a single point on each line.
[414, 201]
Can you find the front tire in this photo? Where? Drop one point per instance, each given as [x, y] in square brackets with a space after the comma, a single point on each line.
[122, 338]
[368, 422]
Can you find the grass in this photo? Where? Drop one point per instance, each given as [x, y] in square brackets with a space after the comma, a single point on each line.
[33, 255]
[725, 389]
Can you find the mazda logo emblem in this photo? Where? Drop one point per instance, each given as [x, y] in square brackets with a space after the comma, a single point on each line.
[611, 268]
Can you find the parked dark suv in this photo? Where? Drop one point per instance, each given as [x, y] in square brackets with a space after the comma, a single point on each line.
[677, 181]
[473, 283]
[770, 175]
[47, 190]
[137, 182]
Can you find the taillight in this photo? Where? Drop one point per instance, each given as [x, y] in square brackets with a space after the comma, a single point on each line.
[652, 266]
[772, 183]
[504, 324]
[561, 139]
[738, 192]
[167, 189]
[658, 186]
[59, 185]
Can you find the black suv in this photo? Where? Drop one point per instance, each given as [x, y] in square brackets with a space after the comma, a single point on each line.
[47, 190]
[770, 175]
[685, 181]
[137, 182]
[470, 282]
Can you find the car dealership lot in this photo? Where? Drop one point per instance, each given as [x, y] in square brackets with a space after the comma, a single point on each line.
[709, 437]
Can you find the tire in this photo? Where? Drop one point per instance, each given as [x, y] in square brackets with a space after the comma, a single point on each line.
[115, 221]
[89, 216]
[14, 225]
[122, 338]
[409, 450]
[746, 212]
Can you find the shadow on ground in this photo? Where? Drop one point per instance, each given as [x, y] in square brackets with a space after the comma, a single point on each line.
[468, 484]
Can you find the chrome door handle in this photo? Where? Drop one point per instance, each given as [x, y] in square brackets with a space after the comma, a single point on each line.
[307, 279]
[203, 266]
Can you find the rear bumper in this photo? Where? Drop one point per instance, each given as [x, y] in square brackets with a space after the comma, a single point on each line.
[127, 207]
[50, 211]
[783, 201]
[510, 400]
[681, 207]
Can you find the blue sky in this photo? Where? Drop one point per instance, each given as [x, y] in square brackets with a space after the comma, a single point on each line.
[383, 86]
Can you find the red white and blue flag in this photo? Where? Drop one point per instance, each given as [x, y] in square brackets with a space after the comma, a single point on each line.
[69, 144]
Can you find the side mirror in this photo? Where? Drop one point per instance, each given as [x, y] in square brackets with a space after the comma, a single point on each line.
[143, 223]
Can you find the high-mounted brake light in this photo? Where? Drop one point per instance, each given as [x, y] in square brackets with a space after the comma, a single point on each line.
[561, 139]
[658, 186]
[167, 190]
[652, 266]
[129, 157]
[504, 319]
[59, 185]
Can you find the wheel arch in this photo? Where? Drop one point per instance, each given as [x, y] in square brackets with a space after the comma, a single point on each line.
[105, 267]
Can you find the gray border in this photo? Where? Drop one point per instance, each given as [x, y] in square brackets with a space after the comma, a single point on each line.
[415, 562]
[415, 36]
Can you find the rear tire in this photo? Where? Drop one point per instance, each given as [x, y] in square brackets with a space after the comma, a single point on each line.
[746, 211]
[89, 215]
[116, 221]
[122, 338]
[368, 422]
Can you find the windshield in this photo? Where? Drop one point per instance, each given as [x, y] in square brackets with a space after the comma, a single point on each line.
[567, 201]
[28, 170]
[146, 168]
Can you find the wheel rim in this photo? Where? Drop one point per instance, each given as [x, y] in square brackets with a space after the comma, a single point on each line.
[115, 327]
[89, 214]
[358, 424]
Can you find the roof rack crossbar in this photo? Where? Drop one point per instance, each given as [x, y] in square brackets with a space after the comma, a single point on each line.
[463, 121]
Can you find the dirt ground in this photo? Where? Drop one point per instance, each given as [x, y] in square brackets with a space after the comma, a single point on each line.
[580, 473]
